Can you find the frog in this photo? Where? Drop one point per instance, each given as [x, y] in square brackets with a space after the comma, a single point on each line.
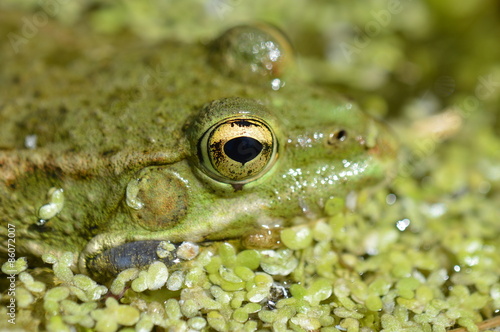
[118, 149]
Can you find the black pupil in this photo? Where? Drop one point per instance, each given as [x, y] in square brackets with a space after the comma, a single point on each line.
[242, 149]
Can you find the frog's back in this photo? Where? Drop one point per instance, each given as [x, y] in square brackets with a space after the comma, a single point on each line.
[70, 92]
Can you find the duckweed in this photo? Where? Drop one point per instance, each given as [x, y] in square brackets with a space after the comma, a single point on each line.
[140, 284]
[244, 273]
[278, 262]
[334, 206]
[17, 267]
[217, 321]
[249, 259]
[175, 280]
[197, 323]
[30, 283]
[114, 315]
[188, 250]
[227, 254]
[157, 275]
[118, 285]
[373, 302]
[24, 297]
[296, 238]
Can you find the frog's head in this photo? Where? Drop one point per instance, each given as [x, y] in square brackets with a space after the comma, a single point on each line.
[298, 153]
[252, 163]
[252, 166]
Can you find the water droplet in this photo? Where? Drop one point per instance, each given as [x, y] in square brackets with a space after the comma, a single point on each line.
[403, 224]
[30, 141]
[276, 84]
[390, 199]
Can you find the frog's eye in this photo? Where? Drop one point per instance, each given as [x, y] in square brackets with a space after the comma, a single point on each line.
[238, 150]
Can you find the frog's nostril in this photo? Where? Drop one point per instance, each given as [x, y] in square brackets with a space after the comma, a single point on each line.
[156, 198]
[337, 137]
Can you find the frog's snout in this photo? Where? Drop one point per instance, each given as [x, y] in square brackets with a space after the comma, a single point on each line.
[384, 148]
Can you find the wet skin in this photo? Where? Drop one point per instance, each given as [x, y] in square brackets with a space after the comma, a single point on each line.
[150, 144]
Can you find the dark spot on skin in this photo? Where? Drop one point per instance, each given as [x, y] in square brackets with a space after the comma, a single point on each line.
[238, 186]
[16, 79]
[39, 228]
[63, 110]
[242, 123]
[109, 152]
[216, 152]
